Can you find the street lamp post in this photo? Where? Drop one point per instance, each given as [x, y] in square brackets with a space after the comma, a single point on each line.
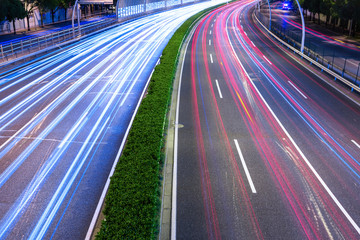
[269, 15]
[76, 8]
[303, 27]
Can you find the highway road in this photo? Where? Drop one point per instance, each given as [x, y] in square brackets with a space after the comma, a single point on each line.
[267, 148]
[63, 117]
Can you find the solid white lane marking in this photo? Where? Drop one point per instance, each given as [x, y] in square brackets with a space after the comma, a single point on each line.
[297, 90]
[211, 58]
[176, 140]
[353, 141]
[322, 182]
[209, 42]
[252, 43]
[267, 60]
[245, 167]
[218, 87]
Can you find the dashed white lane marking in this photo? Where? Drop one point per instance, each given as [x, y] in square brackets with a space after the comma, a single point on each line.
[245, 167]
[353, 141]
[267, 60]
[297, 90]
[218, 87]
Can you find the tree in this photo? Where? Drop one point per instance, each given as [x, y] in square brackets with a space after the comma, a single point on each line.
[29, 9]
[350, 12]
[3, 9]
[44, 6]
[53, 5]
[14, 10]
[304, 5]
[315, 8]
[325, 8]
[65, 4]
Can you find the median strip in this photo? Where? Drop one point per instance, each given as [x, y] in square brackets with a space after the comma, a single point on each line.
[132, 204]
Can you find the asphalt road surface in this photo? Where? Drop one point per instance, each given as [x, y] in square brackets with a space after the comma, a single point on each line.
[267, 149]
[63, 117]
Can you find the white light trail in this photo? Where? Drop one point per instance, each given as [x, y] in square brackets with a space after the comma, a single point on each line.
[125, 68]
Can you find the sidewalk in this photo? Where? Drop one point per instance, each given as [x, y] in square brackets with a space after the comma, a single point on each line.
[47, 29]
[314, 26]
[332, 49]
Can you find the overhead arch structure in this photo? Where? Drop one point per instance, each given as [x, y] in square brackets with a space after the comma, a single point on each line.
[76, 9]
[129, 8]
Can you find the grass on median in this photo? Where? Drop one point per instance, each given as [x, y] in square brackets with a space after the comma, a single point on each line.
[132, 204]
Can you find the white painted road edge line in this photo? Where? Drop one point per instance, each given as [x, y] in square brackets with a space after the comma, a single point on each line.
[327, 189]
[340, 206]
[245, 167]
[353, 141]
[218, 87]
[211, 58]
[103, 194]
[176, 136]
[297, 90]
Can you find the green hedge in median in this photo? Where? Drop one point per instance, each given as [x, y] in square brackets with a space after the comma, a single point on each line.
[132, 204]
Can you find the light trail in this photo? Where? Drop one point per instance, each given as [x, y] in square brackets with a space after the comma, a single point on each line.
[311, 164]
[244, 42]
[200, 114]
[77, 96]
[319, 130]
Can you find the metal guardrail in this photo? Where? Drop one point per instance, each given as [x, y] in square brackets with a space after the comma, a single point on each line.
[315, 58]
[16, 49]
